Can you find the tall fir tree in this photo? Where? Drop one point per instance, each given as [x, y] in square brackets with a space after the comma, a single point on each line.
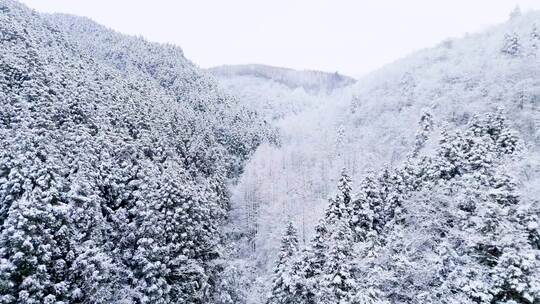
[283, 283]
[337, 282]
[367, 216]
[340, 206]
[425, 127]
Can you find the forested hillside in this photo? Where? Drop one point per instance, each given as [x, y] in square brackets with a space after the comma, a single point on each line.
[372, 125]
[130, 175]
[113, 168]
[451, 226]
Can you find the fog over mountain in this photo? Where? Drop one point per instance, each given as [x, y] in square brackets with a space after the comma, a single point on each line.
[130, 175]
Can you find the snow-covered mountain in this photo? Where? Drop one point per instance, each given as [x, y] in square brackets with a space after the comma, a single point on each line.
[311, 81]
[129, 175]
[276, 92]
[457, 79]
[374, 123]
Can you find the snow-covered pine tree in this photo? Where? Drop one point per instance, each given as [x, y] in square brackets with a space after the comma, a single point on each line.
[511, 45]
[345, 189]
[425, 127]
[449, 161]
[338, 210]
[393, 192]
[337, 282]
[151, 273]
[35, 241]
[315, 257]
[367, 217]
[283, 283]
[335, 224]
[340, 206]
[501, 245]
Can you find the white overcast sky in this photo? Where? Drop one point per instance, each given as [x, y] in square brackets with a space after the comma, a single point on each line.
[349, 36]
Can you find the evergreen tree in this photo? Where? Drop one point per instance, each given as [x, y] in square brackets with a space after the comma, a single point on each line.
[367, 210]
[345, 189]
[35, 242]
[339, 207]
[283, 287]
[449, 161]
[337, 281]
[515, 277]
[332, 244]
[422, 134]
[315, 257]
[511, 45]
[393, 192]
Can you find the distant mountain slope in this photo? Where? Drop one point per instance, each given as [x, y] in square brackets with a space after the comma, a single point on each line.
[279, 92]
[311, 81]
[113, 165]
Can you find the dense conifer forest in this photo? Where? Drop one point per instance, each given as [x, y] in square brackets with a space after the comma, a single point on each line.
[130, 175]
